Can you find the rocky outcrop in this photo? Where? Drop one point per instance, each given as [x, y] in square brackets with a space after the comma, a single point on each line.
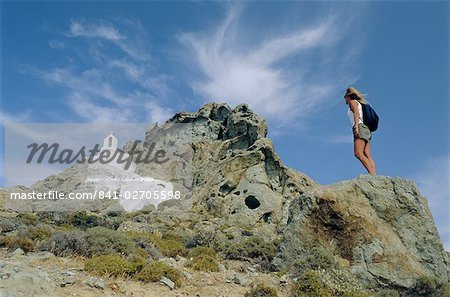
[379, 227]
[238, 176]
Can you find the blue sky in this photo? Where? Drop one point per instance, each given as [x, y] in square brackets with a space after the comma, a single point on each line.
[290, 61]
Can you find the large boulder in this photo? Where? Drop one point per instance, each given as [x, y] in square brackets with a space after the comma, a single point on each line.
[380, 227]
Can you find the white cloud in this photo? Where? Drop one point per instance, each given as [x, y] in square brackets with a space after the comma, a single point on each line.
[89, 84]
[236, 73]
[97, 113]
[105, 31]
[282, 47]
[131, 70]
[434, 183]
[109, 85]
[144, 76]
[95, 99]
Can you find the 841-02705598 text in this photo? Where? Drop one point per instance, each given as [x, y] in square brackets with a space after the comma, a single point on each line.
[103, 195]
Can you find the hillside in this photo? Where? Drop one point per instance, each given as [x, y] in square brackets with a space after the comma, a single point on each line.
[244, 220]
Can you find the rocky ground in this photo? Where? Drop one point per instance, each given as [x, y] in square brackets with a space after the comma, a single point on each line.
[43, 274]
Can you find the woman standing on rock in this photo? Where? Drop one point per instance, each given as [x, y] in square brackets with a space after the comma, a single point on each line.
[361, 133]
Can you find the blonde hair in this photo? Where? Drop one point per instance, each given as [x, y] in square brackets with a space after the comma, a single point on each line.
[357, 94]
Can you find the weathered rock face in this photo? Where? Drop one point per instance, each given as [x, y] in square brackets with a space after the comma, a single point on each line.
[237, 174]
[380, 227]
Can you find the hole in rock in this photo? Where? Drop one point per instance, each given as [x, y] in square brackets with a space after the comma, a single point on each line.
[252, 202]
[267, 217]
[225, 188]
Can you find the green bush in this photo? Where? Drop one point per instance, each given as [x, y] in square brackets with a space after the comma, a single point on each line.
[169, 244]
[262, 291]
[113, 265]
[106, 241]
[28, 218]
[204, 263]
[94, 242]
[201, 250]
[309, 285]
[153, 271]
[251, 247]
[85, 220]
[69, 243]
[66, 228]
[15, 242]
[445, 290]
[39, 232]
[430, 286]
[340, 282]
[203, 258]
[82, 220]
[316, 258]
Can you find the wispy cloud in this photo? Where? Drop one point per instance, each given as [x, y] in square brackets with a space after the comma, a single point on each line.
[434, 183]
[261, 74]
[106, 31]
[110, 84]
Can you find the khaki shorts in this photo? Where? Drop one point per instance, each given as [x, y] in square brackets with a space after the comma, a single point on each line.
[364, 133]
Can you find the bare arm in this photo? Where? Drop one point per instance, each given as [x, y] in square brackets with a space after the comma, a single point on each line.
[354, 107]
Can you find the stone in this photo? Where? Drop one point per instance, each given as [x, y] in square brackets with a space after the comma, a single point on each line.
[23, 283]
[94, 282]
[17, 253]
[42, 256]
[381, 226]
[166, 281]
[186, 275]
[240, 279]
[68, 273]
[251, 269]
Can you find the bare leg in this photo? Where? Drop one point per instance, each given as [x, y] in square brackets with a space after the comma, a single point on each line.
[369, 156]
[359, 145]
